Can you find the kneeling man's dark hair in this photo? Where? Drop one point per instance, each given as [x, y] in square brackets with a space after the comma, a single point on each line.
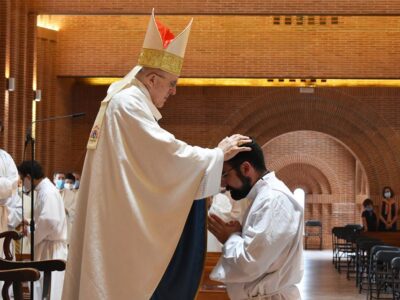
[255, 157]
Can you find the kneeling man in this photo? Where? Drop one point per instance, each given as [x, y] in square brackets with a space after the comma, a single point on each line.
[263, 258]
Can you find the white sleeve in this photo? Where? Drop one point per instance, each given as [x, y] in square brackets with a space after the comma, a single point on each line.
[210, 184]
[6, 189]
[45, 217]
[14, 206]
[248, 255]
[8, 176]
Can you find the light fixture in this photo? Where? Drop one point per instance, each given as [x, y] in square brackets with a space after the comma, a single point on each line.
[37, 95]
[307, 90]
[45, 21]
[11, 84]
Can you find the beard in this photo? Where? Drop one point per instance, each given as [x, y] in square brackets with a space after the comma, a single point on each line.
[238, 194]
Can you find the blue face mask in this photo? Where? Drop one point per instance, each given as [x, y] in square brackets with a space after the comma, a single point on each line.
[76, 184]
[60, 184]
[369, 208]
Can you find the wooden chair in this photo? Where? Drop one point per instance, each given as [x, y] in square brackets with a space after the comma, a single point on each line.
[45, 266]
[17, 277]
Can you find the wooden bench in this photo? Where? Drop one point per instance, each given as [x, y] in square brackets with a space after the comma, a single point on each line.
[209, 289]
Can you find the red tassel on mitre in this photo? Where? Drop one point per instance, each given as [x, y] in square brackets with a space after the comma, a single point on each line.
[166, 35]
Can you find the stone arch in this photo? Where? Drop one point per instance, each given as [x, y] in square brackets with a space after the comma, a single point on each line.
[308, 177]
[316, 168]
[367, 136]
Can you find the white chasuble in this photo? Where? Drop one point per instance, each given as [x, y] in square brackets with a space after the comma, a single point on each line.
[10, 204]
[50, 234]
[8, 177]
[136, 191]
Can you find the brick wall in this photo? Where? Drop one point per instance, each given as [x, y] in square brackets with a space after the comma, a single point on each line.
[318, 142]
[217, 7]
[324, 169]
[3, 63]
[355, 141]
[239, 46]
[325, 165]
[53, 136]
[84, 99]
[203, 115]
[16, 60]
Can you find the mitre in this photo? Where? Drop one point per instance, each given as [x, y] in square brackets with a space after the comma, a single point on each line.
[161, 49]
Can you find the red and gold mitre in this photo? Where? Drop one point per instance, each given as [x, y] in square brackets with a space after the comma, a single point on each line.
[161, 49]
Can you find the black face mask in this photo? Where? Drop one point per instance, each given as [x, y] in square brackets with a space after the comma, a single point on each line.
[238, 194]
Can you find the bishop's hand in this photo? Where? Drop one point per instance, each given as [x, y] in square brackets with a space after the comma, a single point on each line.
[232, 145]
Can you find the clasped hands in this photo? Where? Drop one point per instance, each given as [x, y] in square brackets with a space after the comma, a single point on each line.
[23, 227]
[222, 230]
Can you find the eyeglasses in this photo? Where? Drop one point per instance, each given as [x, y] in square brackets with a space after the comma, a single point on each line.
[224, 174]
[172, 84]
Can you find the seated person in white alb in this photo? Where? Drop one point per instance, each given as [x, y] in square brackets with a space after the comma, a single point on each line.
[69, 195]
[51, 225]
[24, 247]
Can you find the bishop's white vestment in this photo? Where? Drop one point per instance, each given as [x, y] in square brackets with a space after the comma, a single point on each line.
[10, 203]
[69, 199]
[265, 260]
[50, 233]
[136, 191]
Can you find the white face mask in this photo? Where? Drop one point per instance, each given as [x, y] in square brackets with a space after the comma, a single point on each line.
[68, 186]
[26, 188]
[387, 195]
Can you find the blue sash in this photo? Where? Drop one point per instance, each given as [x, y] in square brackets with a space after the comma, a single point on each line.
[182, 278]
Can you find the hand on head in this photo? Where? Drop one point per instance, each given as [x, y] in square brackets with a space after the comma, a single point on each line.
[232, 145]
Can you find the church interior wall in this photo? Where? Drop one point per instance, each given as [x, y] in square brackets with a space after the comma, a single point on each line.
[253, 7]
[199, 115]
[335, 39]
[239, 46]
[17, 38]
[323, 168]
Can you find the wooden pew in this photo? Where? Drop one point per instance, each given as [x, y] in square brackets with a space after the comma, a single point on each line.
[389, 237]
[209, 289]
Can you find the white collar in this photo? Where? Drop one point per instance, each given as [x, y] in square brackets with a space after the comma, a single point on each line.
[259, 184]
[42, 183]
[156, 113]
